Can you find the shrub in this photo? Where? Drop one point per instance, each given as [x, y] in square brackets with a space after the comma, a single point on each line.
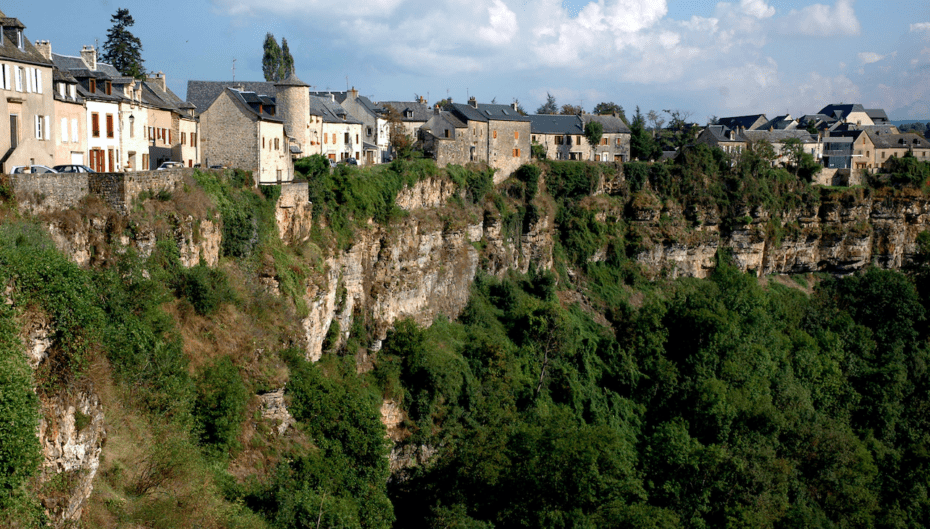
[204, 287]
[220, 406]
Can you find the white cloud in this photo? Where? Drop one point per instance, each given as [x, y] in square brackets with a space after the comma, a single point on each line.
[921, 26]
[820, 20]
[756, 8]
[503, 24]
[868, 57]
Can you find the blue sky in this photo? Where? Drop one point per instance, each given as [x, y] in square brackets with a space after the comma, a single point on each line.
[702, 57]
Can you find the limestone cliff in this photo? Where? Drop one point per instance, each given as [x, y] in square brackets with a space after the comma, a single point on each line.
[419, 267]
[844, 232]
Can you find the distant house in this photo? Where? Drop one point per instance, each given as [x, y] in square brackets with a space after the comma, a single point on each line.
[376, 135]
[412, 114]
[778, 138]
[737, 123]
[243, 129]
[888, 146]
[340, 133]
[562, 137]
[27, 129]
[615, 139]
[785, 122]
[728, 140]
[849, 113]
[70, 136]
[496, 135]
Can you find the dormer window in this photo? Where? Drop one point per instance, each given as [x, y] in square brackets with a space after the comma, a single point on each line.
[109, 88]
[92, 86]
[73, 91]
[408, 113]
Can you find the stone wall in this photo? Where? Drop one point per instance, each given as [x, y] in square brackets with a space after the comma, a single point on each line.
[120, 189]
[47, 192]
[230, 136]
[510, 135]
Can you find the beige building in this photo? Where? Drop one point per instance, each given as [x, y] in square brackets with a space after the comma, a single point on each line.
[27, 131]
[244, 130]
[71, 118]
[888, 146]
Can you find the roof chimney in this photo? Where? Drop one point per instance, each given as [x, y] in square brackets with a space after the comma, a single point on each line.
[472, 102]
[44, 47]
[158, 80]
[353, 94]
[89, 56]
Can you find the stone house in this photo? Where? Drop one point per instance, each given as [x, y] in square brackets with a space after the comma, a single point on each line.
[376, 131]
[849, 113]
[243, 129]
[888, 146]
[412, 114]
[496, 135]
[172, 126]
[615, 138]
[27, 130]
[728, 140]
[341, 134]
[777, 138]
[561, 137]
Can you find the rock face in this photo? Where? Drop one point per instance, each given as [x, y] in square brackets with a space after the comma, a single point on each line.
[71, 432]
[420, 267]
[274, 409]
[844, 233]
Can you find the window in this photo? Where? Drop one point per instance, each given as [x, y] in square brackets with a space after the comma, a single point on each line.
[279, 175]
[95, 124]
[109, 125]
[347, 137]
[369, 132]
[73, 91]
[534, 138]
[19, 79]
[495, 134]
[42, 127]
[132, 128]
[19, 40]
[618, 142]
[559, 140]
[193, 139]
[183, 138]
[325, 138]
[447, 131]
[516, 134]
[516, 153]
[7, 77]
[92, 85]
[37, 82]
[277, 145]
[603, 141]
[145, 162]
[263, 142]
[356, 138]
[64, 130]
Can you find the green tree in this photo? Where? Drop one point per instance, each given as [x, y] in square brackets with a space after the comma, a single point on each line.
[287, 61]
[272, 59]
[593, 131]
[801, 163]
[571, 110]
[642, 145]
[609, 109]
[122, 49]
[549, 107]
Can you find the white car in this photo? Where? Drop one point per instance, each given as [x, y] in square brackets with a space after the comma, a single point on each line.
[32, 169]
[169, 165]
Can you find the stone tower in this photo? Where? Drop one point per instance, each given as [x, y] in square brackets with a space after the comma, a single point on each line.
[293, 102]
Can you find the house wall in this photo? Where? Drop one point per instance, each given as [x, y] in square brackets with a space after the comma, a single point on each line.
[162, 135]
[66, 143]
[229, 135]
[275, 163]
[187, 150]
[26, 105]
[134, 142]
[559, 151]
[102, 141]
[502, 156]
[340, 149]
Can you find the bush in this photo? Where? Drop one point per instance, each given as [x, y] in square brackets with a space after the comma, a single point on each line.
[20, 453]
[204, 287]
[220, 406]
[529, 175]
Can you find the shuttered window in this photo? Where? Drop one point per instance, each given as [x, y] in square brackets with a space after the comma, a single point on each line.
[64, 130]
[95, 125]
[19, 79]
[38, 81]
[109, 125]
[74, 131]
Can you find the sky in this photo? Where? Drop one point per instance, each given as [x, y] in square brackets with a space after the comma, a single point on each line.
[701, 58]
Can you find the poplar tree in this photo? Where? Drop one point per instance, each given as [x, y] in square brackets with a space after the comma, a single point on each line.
[122, 49]
[287, 61]
[271, 61]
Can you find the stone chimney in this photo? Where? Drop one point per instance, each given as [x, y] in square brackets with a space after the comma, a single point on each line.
[353, 94]
[514, 106]
[158, 80]
[89, 56]
[472, 102]
[44, 47]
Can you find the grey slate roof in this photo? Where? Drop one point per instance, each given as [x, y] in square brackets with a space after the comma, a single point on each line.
[330, 111]
[842, 110]
[779, 136]
[899, 141]
[76, 65]
[785, 122]
[611, 124]
[486, 112]
[202, 93]
[252, 102]
[719, 133]
[419, 111]
[746, 122]
[9, 49]
[555, 124]
[877, 115]
[291, 80]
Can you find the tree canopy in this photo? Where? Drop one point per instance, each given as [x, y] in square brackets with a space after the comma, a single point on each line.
[549, 107]
[277, 62]
[122, 49]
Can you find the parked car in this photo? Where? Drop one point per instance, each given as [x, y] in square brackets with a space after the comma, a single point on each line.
[73, 169]
[33, 169]
[169, 165]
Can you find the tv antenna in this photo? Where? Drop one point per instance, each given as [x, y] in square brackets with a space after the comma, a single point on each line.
[234, 69]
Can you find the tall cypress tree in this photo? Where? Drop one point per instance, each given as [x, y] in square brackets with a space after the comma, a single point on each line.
[123, 49]
[271, 61]
[287, 61]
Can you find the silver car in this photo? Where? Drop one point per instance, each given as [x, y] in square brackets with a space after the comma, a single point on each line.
[73, 169]
[32, 169]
